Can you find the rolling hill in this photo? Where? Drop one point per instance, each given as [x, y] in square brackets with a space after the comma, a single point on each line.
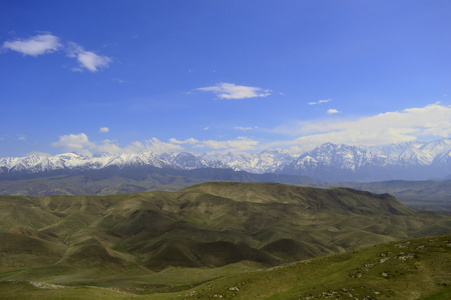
[206, 225]
[407, 269]
[216, 228]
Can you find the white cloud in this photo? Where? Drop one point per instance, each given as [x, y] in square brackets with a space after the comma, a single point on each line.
[231, 91]
[47, 43]
[104, 129]
[87, 59]
[187, 141]
[320, 102]
[35, 45]
[80, 143]
[75, 142]
[390, 127]
[37, 153]
[206, 128]
[156, 146]
[332, 111]
[153, 145]
[108, 146]
[108, 141]
[22, 137]
[134, 147]
[239, 144]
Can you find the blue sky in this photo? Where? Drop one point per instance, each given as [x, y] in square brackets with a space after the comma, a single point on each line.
[221, 75]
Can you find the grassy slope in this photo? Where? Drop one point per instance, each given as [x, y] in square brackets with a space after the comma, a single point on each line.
[408, 269]
[401, 270]
[122, 240]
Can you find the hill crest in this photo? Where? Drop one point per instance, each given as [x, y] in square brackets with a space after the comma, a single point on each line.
[310, 197]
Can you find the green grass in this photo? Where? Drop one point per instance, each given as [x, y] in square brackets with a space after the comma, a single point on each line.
[408, 269]
[205, 237]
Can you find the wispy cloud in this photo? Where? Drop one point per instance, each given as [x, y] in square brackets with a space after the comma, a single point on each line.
[87, 59]
[320, 102]
[244, 128]
[231, 91]
[35, 45]
[104, 129]
[390, 127]
[48, 43]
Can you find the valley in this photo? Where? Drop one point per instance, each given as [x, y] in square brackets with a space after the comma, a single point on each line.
[196, 241]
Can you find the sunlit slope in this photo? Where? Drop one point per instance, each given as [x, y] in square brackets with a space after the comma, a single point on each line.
[406, 269]
[207, 225]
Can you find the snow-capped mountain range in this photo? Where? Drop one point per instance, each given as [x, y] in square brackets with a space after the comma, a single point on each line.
[328, 162]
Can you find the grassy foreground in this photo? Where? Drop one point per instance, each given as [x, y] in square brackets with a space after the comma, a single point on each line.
[408, 269]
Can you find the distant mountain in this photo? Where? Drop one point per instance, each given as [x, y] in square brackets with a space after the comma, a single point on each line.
[127, 179]
[328, 162]
[270, 161]
[432, 195]
[408, 161]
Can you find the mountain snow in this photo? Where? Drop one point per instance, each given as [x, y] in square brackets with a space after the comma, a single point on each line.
[412, 160]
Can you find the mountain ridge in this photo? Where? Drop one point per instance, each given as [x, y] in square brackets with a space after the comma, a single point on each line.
[327, 162]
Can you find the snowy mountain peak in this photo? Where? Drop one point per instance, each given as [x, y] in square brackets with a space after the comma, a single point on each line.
[337, 162]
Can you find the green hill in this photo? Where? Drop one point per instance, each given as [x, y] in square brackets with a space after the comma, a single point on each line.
[407, 269]
[432, 195]
[195, 234]
[410, 269]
